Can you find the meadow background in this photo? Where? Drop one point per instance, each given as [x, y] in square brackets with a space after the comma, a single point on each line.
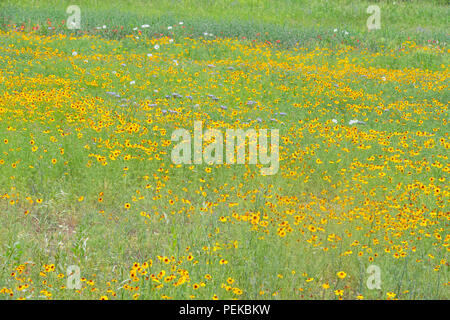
[86, 177]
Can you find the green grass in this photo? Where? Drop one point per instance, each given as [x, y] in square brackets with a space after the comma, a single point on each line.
[289, 21]
[43, 90]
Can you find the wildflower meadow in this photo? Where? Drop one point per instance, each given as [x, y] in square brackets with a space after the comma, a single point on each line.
[247, 149]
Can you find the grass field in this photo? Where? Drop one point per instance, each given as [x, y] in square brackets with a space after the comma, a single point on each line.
[87, 180]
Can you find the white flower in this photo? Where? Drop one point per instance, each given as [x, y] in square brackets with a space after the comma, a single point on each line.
[149, 55]
[170, 40]
[135, 28]
[169, 28]
[180, 23]
[145, 26]
[334, 121]
[383, 78]
[132, 82]
[335, 30]
[205, 33]
[356, 121]
[176, 62]
[104, 27]
[156, 46]
[74, 53]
